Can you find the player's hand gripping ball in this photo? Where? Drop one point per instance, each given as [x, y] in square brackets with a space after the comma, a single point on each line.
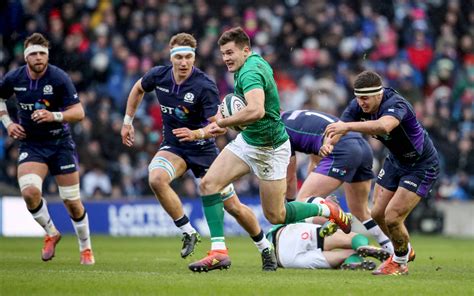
[231, 104]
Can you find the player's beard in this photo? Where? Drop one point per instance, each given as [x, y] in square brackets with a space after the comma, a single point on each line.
[38, 68]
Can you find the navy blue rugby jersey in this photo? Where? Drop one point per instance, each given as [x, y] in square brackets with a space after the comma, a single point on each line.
[306, 129]
[188, 104]
[53, 91]
[408, 142]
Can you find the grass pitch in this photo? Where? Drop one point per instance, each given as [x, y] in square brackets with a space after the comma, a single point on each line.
[152, 266]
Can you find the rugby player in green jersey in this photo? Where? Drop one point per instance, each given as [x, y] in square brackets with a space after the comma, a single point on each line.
[262, 148]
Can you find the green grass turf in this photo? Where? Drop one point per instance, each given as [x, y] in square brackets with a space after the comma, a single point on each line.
[152, 266]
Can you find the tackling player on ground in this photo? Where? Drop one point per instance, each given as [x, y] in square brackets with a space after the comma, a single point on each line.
[349, 164]
[189, 101]
[262, 148]
[301, 245]
[47, 102]
[410, 169]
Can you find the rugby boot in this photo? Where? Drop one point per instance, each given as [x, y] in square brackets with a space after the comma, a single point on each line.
[49, 247]
[390, 267]
[215, 259]
[87, 257]
[343, 220]
[364, 265]
[269, 261]
[189, 242]
[375, 252]
[328, 228]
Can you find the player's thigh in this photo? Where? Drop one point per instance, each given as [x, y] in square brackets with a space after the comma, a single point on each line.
[318, 185]
[272, 195]
[401, 204]
[67, 179]
[382, 197]
[37, 168]
[357, 196]
[225, 169]
[167, 166]
[337, 257]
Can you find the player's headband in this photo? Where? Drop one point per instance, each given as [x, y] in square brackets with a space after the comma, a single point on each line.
[368, 91]
[182, 50]
[35, 48]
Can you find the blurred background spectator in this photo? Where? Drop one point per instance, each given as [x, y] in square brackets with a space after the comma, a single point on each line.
[424, 49]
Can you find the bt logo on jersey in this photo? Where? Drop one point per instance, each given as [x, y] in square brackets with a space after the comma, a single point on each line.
[26, 106]
[181, 112]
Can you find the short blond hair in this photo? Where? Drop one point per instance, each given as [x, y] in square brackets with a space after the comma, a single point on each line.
[183, 39]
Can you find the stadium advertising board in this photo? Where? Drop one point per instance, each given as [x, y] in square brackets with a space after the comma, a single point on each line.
[118, 218]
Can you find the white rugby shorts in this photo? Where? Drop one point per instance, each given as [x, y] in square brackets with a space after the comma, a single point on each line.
[267, 163]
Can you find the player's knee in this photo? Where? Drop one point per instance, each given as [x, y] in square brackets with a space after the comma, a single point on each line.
[207, 186]
[274, 217]
[158, 181]
[31, 187]
[70, 192]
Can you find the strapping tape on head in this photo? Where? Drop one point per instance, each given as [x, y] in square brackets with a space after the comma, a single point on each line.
[35, 48]
[182, 50]
[368, 91]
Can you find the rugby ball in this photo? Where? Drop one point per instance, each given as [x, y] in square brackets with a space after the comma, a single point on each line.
[231, 104]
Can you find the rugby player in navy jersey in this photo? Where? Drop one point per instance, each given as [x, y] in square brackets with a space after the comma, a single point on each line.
[410, 169]
[349, 164]
[189, 102]
[47, 102]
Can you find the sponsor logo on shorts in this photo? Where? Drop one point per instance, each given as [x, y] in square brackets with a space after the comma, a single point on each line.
[410, 154]
[340, 172]
[19, 88]
[381, 174]
[22, 156]
[68, 166]
[410, 183]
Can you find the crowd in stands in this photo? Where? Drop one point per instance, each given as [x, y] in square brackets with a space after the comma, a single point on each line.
[424, 49]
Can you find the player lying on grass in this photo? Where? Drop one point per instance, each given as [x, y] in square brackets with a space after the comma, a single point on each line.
[301, 245]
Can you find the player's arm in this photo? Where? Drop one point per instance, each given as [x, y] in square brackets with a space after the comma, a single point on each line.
[185, 134]
[133, 102]
[328, 145]
[14, 130]
[383, 125]
[254, 110]
[72, 113]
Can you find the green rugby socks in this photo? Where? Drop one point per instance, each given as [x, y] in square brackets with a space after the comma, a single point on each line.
[214, 212]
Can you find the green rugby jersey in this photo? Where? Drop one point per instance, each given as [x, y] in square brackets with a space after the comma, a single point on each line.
[270, 130]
